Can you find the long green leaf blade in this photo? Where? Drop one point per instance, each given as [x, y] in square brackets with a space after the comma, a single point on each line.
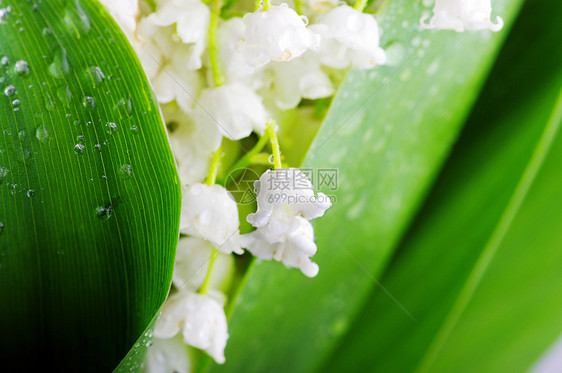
[89, 192]
[477, 267]
[387, 134]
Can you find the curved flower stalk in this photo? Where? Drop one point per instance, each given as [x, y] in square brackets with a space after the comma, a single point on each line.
[460, 15]
[220, 81]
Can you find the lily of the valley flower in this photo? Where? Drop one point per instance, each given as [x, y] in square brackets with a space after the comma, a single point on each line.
[275, 34]
[192, 144]
[349, 37]
[297, 79]
[234, 109]
[286, 202]
[192, 262]
[211, 213]
[125, 12]
[201, 320]
[191, 20]
[167, 355]
[290, 188]
[287, 238]
[460, 15]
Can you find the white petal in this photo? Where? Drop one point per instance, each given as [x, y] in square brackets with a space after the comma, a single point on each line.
[461, 15]
[349, 37]
[211, 213]
[205, 325]
[290, 187]
[277, 34]
[234, 109]
[167, 356]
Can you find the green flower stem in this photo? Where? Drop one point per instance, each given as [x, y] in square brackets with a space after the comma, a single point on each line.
[298, 7]
[214, 168]
[270, 130]
[245, 161]
[264, 4]
[360, 5]
[206, 283]
[213, 50]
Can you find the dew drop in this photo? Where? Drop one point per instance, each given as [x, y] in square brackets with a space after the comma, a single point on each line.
[22, 68]
[79, 149]
[1, 227]
[31, 193]
[97, 147]
[21, 134]
[134, 129]
[41, 133]
[111, 127]
[10, 90]
[104, 213]
[64, 95]
[126, 171]
[60, 66]
[5, 61]
[124, 107]
[3, 174]
[80, 139]
[89, 102]
[76, 19]
[94, 76]
[271, 159]
[49, 102]
[16, 102]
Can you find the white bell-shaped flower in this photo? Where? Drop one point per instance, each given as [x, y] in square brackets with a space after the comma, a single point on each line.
[192, 145]
[287, 238]
[349, 37]
[276, 34]
[234, 108]
[125, 12]
[181, 85]
[288, 187]
[167, 356]
[200, 318]
[290, 82]
[460, 15]
[191, 20]
[211, 213]
[192, 261]
[230, 34]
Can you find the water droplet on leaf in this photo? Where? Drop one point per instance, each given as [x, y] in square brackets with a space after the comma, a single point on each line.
[79, 149]
[10, 90]
[22, 68]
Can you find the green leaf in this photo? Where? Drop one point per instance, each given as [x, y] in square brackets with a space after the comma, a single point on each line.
[90, 197]
[478, 268]
[387, 134]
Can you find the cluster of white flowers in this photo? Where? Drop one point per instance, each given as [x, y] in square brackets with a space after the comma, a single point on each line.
[461, 15]
[286, 203]
[216, 79]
